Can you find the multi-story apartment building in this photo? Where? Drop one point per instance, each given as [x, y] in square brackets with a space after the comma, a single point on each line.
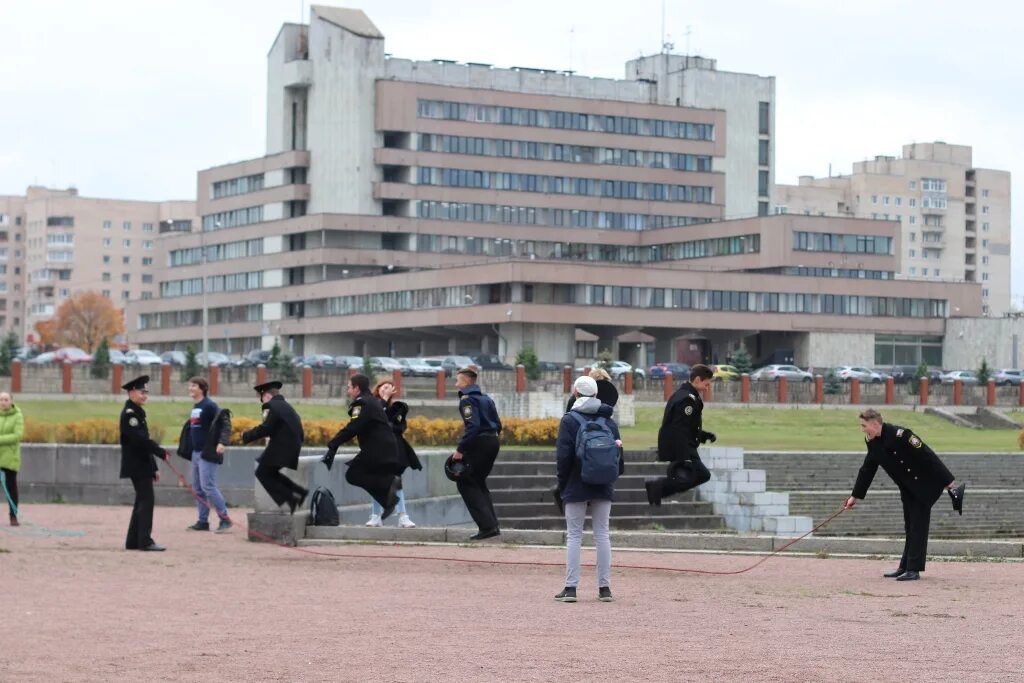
[54, 243]
[954, 218]
[411, 207]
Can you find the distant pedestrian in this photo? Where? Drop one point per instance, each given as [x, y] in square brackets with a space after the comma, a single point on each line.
[12, 426]
[206, 434]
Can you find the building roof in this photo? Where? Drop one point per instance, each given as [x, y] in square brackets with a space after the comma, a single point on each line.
[352, 20]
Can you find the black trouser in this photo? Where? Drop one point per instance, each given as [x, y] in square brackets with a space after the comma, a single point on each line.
[376, 482]
[141, 526]
[693, 473]
[917, 516]
[480, 455]
[11, 477]
[278, 485]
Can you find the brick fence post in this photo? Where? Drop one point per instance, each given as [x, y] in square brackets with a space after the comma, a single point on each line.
[214, 380]
[922, 391]
[819, 389]
[744, 388]
[116, 378]
[855, 391]
[958, 392]
[566, 380]
[667, 386]
[890, 391]
[261, 374]
[990, 393]
[307, 382]
[439, 384]
[396, 379]
[782, 390]
[520, 379]
[66, 375]
[165, 379]
[16, 379]
[627, 386]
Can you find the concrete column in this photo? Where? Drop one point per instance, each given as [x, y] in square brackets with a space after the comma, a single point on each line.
[66, 374]
[16, 379]
[214, 380]
[819, 389]
[307, 382]
[958, 392]
[1020, 394]
[116, 378]
[922, 395]
[261, 374]
[890, 391]
[567, 381]
[854, 391]
[667, 386]
[744, 388]
[439, 384]
[782, 390]
[396, 379]
[520, 379]
[165, 379]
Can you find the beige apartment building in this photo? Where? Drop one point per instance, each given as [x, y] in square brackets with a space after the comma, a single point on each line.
[954, 218]
[420, 208]
[54, 243]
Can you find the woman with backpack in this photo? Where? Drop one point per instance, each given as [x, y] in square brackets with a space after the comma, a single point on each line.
[589, 460]
[396, 412]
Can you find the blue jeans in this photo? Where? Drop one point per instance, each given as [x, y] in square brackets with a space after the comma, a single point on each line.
[376, 509]
[204, 481]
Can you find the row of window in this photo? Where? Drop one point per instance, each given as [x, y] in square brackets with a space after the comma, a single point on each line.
[231, 219]
[591, 187]
[189, 318]
[233, 186]
[855, 244]
[545, 118]
[575, 154]
[856, 273]
[528, 215]
[215, 252]
[233, 282]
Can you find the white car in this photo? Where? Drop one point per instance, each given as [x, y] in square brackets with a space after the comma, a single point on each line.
[142, 357]
[848, 372]
[617, 369]
[771, 373]
[386, 364]
[418, 367]
[965, 376]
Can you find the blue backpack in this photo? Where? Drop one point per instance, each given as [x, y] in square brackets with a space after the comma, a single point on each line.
[596, 450]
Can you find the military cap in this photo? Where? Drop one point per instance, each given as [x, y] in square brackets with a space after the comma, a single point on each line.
[139, 382]
[267, 386]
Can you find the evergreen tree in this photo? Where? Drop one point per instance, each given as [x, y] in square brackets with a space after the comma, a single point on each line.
[922, 372]
[741, 361]
[604, 360]
[191, 367]
[833, 385]
[368, 368]
[282, 364]
[100, 368]
[984, 373]
[528, 359]
[7, 352]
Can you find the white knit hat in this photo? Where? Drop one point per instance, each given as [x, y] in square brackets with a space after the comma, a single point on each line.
[585, 386]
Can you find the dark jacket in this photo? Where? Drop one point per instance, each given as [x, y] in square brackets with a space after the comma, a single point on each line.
[284, 427]
[219, 433]
[681, 427]
[137, 449]
[378, 447]
[397, 413]
[606, 393]
[908, 460]
[479, 415]
[572, 488]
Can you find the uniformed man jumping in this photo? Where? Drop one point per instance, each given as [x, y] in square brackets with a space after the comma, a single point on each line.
[284, 428]
[479, 447]
[680, 434]
[920, 476]
[375, 466]
[137, 463]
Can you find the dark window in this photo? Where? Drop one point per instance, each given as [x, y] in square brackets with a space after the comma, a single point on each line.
[764, 118]
[762, 183]
[762, 208]
[762, 152]
[60, 220]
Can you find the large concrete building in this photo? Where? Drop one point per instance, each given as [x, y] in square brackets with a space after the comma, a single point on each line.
[954, 218]
[408, 208]
[54, 243]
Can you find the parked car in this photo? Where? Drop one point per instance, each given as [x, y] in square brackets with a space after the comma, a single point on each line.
[680, 371]
[348, 362]
[771, 373]
[72, 354]
[453, 364]
[725, 373]
[417, 367]
[489, 361]
[385, 364]
[253, 358]
[216, 359]
[965, 376]
[848, 372]
[175, 358]
[43, 358]
[617, 369]
[142, 357]
[436, 364]
[551, 366]
[315, 360]
[1007, 378]
[116, 356]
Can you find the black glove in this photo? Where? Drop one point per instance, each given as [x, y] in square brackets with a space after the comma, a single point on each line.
[328, 459]
[556, 494]
[708, 436]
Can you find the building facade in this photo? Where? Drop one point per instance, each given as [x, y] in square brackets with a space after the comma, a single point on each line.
[954, 218]
[420, 208]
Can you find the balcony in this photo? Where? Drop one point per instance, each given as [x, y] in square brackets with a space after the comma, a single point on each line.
[297, 74]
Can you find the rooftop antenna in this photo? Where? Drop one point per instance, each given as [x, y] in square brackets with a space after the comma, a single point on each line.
[689, 30]
[572, 34]
[666, 46]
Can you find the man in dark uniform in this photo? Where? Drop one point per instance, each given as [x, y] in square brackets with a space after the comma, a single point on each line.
[375, 466]
[479, 446]
[137, 463]
[920, 476]
[680, 434]
[284, 428]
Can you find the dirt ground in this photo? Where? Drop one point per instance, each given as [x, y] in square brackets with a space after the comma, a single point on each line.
[219, 608]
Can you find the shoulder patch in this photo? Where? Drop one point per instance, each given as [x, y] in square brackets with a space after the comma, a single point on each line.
[688, 410]
[693, 396]
[356, 410]
[266, 411]
[899, 432]
[398, 418]
[467, 410]
[128, 410]
[133, 421]
[915, 442]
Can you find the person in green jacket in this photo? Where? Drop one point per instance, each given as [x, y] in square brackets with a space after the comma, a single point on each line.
[12, 424]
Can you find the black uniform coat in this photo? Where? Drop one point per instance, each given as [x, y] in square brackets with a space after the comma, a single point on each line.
[220, 433]
[137, 449]
[397, 413]
[284, 427]
[606, 393]
[681, 433]
[908, 460]
[378, 447]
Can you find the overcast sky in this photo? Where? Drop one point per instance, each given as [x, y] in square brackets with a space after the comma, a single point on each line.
[129, 99]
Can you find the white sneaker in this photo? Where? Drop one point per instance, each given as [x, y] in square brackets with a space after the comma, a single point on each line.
[405, 522]
[374, 521]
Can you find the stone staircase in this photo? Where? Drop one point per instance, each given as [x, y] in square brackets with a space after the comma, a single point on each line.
[818, 483]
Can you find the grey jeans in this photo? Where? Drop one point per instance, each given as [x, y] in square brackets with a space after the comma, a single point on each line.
[575, 513]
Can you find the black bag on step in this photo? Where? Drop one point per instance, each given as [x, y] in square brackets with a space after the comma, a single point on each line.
[322, 509]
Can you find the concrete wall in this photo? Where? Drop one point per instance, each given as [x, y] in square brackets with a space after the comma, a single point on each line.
[551, 342]
[829, 349]
[1000, 341]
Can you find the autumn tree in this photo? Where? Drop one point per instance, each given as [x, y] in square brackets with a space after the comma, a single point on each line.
[47, 331]
[87, 318]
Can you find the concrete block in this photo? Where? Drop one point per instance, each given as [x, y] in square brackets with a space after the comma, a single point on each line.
[747, 486]
[383, 534]
[756, 475]
[738, 522]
